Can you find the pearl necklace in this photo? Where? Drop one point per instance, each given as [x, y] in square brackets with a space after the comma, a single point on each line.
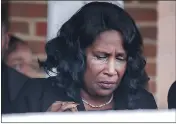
[98, 106]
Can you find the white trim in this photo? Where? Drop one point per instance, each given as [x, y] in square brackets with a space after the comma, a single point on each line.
[102, 117]
[61, 11]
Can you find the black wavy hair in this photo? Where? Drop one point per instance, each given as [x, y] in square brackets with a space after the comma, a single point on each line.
[66, 52]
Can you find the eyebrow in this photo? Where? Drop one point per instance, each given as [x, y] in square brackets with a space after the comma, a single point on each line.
[109, 52]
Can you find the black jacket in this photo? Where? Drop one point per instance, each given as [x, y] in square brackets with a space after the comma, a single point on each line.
[172, 96]
[39, 94]
[11, 83]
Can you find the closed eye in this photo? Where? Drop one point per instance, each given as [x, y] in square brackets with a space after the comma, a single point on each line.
[101, 56]
[121, 57]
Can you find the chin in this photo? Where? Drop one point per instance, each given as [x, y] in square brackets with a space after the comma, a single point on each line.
[104, 93]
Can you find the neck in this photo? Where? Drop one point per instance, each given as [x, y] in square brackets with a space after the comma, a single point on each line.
[94, 99]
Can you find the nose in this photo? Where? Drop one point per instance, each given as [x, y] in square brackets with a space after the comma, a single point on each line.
[111, 68]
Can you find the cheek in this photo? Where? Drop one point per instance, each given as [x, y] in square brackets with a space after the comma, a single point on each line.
[121, 68]
[93, 69]
[3, 40]
[2, 43]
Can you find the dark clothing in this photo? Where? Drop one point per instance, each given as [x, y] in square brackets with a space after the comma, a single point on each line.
[38, 95]
[11, 83]
[172, 96]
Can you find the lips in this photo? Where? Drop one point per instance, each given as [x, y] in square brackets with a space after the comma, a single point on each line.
[106, 84]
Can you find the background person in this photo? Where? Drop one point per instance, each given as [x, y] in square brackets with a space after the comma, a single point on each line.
[172, 96]
[20, 57]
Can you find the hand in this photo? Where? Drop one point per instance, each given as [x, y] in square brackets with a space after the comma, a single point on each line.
[60, 106]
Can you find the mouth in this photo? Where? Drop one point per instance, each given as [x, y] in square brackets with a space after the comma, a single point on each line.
[106, 84]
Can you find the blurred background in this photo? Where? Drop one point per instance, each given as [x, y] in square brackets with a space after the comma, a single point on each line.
[32, 21]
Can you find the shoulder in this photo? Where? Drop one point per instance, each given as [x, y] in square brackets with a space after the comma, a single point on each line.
[37, 86]
[146, 100]
[171, 96]
[38, 94]
[142, 99]
[14, 80]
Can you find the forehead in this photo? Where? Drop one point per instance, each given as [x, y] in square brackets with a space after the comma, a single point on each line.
[21, 46]
[109, 40]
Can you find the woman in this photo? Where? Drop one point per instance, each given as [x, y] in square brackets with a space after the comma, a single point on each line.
[100, 65]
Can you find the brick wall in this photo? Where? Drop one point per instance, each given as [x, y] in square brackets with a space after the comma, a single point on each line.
[28, 21]
[145, 15]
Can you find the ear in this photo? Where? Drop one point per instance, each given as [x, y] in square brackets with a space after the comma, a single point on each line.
[7, 37]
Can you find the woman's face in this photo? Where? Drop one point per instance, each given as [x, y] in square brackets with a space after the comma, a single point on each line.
[106, 64]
